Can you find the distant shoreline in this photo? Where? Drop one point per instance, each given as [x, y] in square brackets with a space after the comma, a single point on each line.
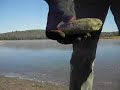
[38, 34]
[114, 37]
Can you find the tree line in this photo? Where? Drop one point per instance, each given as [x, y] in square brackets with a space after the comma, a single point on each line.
[39, 34]
[24, 35]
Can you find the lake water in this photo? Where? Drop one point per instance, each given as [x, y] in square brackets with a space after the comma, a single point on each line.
[48, 61]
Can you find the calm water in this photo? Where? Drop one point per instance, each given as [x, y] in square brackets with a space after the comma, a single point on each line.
[48, 61]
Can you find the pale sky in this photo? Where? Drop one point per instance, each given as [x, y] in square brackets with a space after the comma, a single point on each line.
[32, 14]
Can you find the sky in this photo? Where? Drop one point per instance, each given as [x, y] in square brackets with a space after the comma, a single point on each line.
[20, 15]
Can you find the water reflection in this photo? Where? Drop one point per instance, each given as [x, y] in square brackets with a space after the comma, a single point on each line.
[33, 44]
[48, 60]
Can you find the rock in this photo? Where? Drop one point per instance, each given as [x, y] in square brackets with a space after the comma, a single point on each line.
[80, 26]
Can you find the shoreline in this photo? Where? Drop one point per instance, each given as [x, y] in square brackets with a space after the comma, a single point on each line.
[8, 83]
[114, 37]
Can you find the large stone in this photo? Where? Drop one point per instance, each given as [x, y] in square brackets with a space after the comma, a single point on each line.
[80, 26]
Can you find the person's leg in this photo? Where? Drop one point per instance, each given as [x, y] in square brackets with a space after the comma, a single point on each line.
[84, 50]
[115, 8]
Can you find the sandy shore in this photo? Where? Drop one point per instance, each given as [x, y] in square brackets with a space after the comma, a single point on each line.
[19, 84]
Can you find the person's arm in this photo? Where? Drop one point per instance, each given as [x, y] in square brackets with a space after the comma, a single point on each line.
[59, 10]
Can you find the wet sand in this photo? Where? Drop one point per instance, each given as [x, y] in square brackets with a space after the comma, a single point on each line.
[20, 84]
[7, 83]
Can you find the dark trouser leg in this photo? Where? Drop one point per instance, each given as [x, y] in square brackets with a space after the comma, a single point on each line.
[84, 51]
[81, 64]
[115, 8]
